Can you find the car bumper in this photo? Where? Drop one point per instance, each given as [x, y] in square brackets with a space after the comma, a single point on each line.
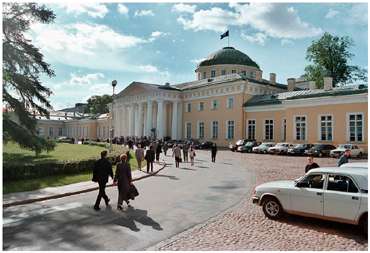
[255, 200]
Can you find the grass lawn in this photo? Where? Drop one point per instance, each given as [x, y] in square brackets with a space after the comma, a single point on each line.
[13, 154]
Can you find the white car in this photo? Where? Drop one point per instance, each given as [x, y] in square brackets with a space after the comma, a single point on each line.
[263, 148]
[355, 150]
[328, 193]
[280, 148]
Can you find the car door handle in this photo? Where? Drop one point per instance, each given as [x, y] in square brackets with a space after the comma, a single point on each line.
[319, 193]
[355, 198]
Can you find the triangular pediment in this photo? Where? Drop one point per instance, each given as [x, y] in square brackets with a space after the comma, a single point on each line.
[137, 88]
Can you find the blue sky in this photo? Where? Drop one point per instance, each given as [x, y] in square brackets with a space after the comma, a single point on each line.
[90, 44]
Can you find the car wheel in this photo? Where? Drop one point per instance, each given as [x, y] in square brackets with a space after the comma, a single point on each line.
[363, 224]
[360, 155]
[272, 208]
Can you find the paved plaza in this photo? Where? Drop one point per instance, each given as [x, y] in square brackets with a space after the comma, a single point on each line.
[205, 207]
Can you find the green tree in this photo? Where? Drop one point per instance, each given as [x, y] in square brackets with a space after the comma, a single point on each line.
[330, 56]
[23, 63]
[98, 104]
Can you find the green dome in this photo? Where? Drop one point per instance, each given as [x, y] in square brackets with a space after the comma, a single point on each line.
[228, 55]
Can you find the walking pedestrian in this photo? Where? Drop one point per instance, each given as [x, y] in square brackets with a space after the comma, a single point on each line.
[344, 158]
[123, 180]
[139, 154]
[310, 164]
[177, 154]
[165, 148]
[214, 152]
[192, 155]
[149, 157]
[185, 150]
[101, 172]
[158, 151]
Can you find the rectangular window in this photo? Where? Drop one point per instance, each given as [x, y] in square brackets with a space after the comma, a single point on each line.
[201, 106]
[233, 71]
[40, 131]
[252, 129]
[300, 128]
[214, 104]
[60, 131]
[284, 130]
[223, 72]
[269, 129]
[103, 131]
[230, 103]
[230, 129]
[252, 75]
[204, 75]
[51, 131]
[326, 128]
[214, 129]
[201, 130]
[355, 127]
[199, 76]
[213, 73]
[188, 107]
[188, 130]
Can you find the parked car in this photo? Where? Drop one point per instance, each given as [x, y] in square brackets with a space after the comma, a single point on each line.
[320, 150]
[280, 148]
[205, 145]
[355, 165]
[355, 150]
[263, 148]
[248, 147]
[327, 193]
[64, 139]
[234, 147]
[299, 149]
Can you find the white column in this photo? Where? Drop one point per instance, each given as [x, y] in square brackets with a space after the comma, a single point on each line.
[174, 121]
[179, 122]
[140, 120]
[133, 120]
[160, 119]
[149, 119]
[130, 120]
[136, 120]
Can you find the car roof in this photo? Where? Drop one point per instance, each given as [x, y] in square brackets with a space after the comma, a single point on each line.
[360, 174]
[355, 165]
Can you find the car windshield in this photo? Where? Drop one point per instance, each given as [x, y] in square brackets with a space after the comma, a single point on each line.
[239, 142]
[345, 146]
[249, 143]
[299, 146]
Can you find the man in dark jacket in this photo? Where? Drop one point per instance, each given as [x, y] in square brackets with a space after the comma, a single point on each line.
[101, 173]
[310, 164]
[149, 157]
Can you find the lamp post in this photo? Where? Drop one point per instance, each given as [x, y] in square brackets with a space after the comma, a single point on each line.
[114, 84]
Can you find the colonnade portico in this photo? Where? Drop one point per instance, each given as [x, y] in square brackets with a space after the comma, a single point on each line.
[139, 118]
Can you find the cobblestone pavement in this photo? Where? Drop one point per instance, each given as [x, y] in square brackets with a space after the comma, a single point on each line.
[245, 227]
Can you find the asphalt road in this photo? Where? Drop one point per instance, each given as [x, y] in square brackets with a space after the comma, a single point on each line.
[172, 201]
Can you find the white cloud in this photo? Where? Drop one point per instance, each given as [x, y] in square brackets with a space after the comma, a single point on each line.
[184, 8]
[358, 14]
[141, 13]
[197, 61]
[215, 19]
[121, 8]
[149, 68]
[274, 20]
[87, 79]
[286, 42]
[95, 10]
[257, 38]
[331, 14]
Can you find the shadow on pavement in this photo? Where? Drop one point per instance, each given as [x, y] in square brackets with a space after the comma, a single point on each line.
[131, 215]
[184, 168]
[330, 227]
[168, 176]
[203, 167]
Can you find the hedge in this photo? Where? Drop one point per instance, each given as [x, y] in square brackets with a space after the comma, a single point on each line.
[28, 171]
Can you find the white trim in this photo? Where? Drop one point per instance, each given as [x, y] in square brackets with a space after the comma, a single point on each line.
[264, 108]
[347, 127]
[330, 100]
[227, 102]
[294, 127]
[319, 127]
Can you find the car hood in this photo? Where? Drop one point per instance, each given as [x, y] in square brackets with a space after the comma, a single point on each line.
[338, 150]
[276, 184]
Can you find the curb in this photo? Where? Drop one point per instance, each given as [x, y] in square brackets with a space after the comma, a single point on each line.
[29, 201]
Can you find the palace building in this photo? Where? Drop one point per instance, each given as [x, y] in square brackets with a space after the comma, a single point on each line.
[229, 100]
